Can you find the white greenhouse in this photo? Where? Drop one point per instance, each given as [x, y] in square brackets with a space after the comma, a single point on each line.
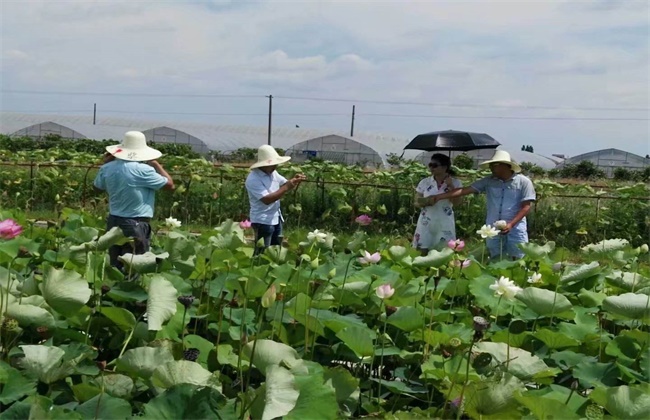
[368, 149]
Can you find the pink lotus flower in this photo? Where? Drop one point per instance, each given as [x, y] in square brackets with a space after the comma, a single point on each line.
[245, 224]
[9, 229]
[363, 220]
[456, 244]
[369, 258]
[464, 264]
[385, 291]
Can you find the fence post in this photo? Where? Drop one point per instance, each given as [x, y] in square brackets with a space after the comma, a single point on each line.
[219, 202]
[31, 177]
[84, 188]
[321, 182]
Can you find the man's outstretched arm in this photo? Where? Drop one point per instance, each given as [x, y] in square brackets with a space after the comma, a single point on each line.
[452, 194]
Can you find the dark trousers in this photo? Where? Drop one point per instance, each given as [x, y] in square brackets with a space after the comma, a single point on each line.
[272, 235]
[137, 228]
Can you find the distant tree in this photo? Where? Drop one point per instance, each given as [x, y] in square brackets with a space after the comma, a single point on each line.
[583, 170]
[527, 148]
[531, 169]
[624, 174]
[463, 161]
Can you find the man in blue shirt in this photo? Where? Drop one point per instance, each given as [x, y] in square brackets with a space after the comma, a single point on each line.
[131, 175]
[509, 197]
[265, 188]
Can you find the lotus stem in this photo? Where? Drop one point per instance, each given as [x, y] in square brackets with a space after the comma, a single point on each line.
[381, 357]
[462, 391]
[345, 278]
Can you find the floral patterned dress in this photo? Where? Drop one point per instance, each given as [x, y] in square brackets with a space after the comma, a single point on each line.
[436, 223]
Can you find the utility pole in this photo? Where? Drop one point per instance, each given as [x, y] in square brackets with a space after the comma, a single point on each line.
[270, 118]
[94, 113]
[352, 125]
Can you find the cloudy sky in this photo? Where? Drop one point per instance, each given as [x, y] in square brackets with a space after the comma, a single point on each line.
[564, 76]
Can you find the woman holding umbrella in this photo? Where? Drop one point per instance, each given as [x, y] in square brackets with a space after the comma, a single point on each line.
[436, 224]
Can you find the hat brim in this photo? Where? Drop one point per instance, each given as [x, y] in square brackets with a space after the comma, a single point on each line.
[271, 162]
[144, 154]
[515, 167]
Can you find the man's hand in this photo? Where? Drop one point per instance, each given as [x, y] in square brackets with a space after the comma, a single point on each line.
[449, 182]
[295, 181]
[506, 229]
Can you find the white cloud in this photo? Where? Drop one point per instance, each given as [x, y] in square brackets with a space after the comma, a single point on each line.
[480, 52]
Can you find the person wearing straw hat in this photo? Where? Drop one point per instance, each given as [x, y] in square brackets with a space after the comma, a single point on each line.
[509, 197]
[131, 175]
[265, 188]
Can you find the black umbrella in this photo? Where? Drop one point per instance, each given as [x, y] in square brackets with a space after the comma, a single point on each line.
[452, 140]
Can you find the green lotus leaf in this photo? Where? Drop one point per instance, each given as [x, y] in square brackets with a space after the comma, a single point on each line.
[591, 374]
[493, 400]
[555, 340]
[624, 402]
[105, 407]
[180, 372]
[398, 252]
[537, 252]
[120, 316]
[346, 387]
[161, 304]
[14, 384]
[280, 392]
[188, 401]
[65, 291]
[607, 245]
[28, 315]
[629, 282]
[267, 353]
[434, 258]
[115, 384]
[143, 361]
[142, 263]
[523, 364]
[358, 339]
[582, 272]
[629, 305]
[407, 318]
[544, 302]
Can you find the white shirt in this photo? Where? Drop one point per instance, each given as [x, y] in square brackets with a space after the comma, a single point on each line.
[259, 184]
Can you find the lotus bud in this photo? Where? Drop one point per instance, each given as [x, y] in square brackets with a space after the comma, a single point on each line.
[314, 263]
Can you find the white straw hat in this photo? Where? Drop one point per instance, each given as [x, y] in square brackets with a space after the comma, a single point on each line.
[134, 148]
[267, 156]
[501, 156]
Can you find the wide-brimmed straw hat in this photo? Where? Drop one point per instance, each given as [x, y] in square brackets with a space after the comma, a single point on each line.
[134, 148]
[267, 156]
[501, 156]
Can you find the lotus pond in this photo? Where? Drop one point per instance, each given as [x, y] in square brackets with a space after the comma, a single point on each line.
[200, 328]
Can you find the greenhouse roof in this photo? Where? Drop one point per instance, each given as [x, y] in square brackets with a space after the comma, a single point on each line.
[217, 137]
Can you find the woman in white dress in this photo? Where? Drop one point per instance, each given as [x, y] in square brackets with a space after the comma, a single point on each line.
[436, 224]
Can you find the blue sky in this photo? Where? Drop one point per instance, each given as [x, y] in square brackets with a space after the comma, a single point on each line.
[525, 72]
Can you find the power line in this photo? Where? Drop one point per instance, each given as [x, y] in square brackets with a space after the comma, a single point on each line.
[169, 95]
[110, 111]
[458, 117]
[228, 114]
[496, 117]
[463, 105]
[320, 99]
